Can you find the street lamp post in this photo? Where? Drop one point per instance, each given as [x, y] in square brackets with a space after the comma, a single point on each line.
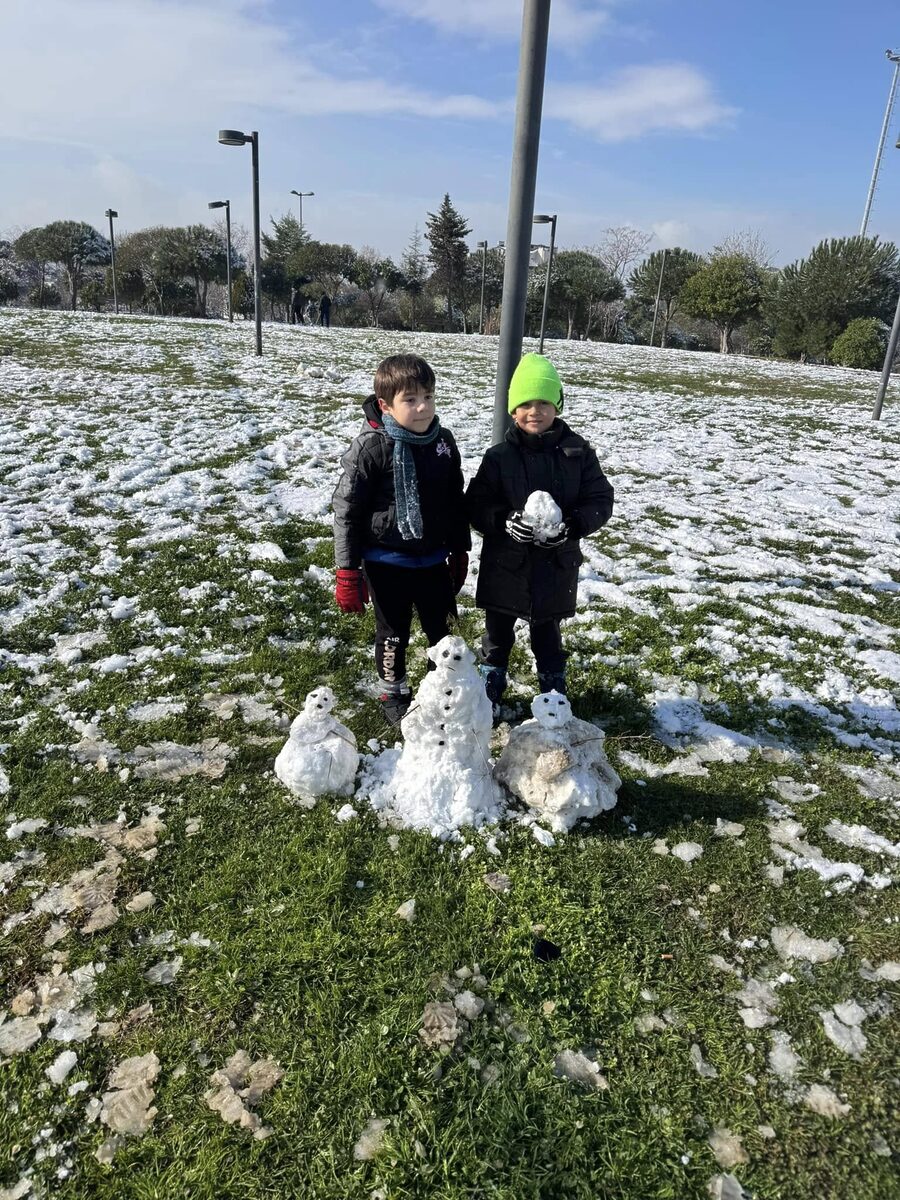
[111, 212]
[662, 267]
[300, 196]
[544, 219]
[234, 137]
[523, 177]
[894, 57]
[482, 246]
[226, 204]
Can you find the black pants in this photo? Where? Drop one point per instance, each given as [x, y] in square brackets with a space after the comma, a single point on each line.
[325, 319]
[395, 592]
[546, 642]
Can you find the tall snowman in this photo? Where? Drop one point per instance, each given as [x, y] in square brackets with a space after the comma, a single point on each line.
[441, 778]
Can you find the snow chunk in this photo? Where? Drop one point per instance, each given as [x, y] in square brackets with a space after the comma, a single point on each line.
[371, 1140]
[728, 828]
[164, 971]
[407, 911]
[543, 514]
[345, 813]
[825, 1102]
[61, 1066]
[238, 1087]
[31, 825]
[19, 1034]
[702, 1067]
[440, 1024]
[859, 837]
[575, 1066]
[727, 1147]
[849, 1038]
[791, 942]
[265, 552]
[126, 1106]
[783, 1061]
[687, 851]
[470, 1005]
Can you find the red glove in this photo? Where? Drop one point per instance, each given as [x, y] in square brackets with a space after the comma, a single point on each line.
[458, 564]
[351, 592]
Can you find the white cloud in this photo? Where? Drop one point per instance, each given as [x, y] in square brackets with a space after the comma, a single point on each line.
[572, 22]
[640, 100]
[109, 75]
[671, 233]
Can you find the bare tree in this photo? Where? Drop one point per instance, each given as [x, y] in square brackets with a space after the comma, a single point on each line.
[621, 246]
[749, 244]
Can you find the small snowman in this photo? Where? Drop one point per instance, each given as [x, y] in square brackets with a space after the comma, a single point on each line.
[544, 516]
[320, 757]
[556, 765]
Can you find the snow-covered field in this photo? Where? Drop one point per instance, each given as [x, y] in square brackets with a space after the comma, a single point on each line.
[165, 604]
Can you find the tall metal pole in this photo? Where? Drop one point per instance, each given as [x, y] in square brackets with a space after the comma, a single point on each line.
[523, 178]
[110, 212]
[483, 247]
[257, 274]
[893, 57]
[228, 261]
[888, 363]
[662, 267]
[547, 282]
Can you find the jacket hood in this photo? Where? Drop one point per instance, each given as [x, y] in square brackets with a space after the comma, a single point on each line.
[372, 412]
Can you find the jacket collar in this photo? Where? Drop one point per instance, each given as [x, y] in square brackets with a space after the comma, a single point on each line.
[538, 441]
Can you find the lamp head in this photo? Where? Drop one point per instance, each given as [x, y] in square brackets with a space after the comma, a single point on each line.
[482, 245]
[541, 219]
[218, 203]
[111, 212]
[232, 137]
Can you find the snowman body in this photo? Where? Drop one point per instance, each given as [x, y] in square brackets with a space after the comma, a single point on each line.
[556, 765]
[320, 756]
[441, 778]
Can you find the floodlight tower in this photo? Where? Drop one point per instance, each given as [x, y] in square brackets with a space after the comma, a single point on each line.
[894, 57]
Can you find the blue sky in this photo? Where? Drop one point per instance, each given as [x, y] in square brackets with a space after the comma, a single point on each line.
[680, 117]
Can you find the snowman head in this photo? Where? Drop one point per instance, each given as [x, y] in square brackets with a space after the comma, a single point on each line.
[318, 704]
[551, 709]
[451, 654]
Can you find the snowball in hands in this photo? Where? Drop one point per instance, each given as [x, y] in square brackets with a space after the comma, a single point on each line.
[543, 515]
[556, 765]
[319, 758]
[441, 779]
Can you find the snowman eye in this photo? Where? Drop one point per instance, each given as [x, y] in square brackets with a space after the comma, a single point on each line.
[445, 654]
[457, 657]
[449, 692]
[546, 700]
[559, 702]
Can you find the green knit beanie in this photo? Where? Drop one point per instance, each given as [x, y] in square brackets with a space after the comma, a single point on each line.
[535, 378]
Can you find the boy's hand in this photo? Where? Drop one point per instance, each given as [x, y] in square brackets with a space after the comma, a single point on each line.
[350, 591]
[458, 565]
[556, 539]
[518, 528]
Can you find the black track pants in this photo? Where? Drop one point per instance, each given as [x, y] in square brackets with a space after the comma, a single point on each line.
[546, 642]
[395, 592]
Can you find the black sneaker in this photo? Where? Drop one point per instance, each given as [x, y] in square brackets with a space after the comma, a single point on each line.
[394, 706]
[553, 681]
[494, 682]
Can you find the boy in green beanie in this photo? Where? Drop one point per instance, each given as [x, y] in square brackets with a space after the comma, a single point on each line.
[520, 576]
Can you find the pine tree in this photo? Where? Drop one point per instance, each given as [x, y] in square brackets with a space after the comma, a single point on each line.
[446, 231]
[414, 271]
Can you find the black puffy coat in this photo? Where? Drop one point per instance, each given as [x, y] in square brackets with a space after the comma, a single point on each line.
[529, 580]
[363, 501]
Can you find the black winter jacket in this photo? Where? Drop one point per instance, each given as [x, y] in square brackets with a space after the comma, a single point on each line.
[363, 500]
[529, 580]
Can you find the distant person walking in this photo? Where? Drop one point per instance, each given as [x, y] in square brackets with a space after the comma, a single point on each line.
[295, 312]
[310, 313]
[325, 311]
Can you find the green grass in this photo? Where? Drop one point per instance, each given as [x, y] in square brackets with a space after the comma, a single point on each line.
[319, 973]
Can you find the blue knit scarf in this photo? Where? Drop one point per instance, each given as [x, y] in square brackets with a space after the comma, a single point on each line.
[406, 485]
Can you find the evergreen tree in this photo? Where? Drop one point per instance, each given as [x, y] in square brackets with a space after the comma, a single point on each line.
[863, 344]
[818, 296]
[581, 289]
[680, 266]
[413, 267]
[726, 291]
[446, 231]
[75, 245]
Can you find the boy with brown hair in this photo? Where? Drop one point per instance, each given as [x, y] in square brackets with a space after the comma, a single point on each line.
[400, 529]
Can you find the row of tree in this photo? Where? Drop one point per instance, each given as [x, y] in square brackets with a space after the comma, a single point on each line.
[833, 305]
